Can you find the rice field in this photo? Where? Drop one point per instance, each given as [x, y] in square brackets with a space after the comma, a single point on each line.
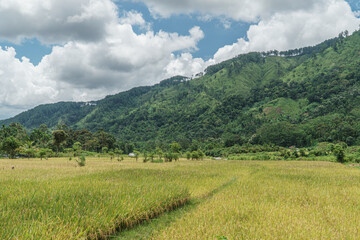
[56, 199]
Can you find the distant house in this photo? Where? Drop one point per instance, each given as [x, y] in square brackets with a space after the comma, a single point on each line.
[132, 155]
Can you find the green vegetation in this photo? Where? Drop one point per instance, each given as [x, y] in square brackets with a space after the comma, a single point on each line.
[307, 95]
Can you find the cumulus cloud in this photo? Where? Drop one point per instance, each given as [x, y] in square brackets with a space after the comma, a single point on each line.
[244, 10]
[54, 21]
[135, 18]
[184, 65]
[22, 84]
[294, 29]
[123, 60]
[80, 71]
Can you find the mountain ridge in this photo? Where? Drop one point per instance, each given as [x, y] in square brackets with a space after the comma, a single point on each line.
[236, 101]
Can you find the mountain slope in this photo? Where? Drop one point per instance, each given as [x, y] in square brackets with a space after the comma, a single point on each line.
[302, 96]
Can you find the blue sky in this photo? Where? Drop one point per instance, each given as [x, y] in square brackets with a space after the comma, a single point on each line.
[80, 50]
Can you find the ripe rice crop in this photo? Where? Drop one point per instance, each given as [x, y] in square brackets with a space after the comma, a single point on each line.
[83, 203]
[55, 199]
[277, 200]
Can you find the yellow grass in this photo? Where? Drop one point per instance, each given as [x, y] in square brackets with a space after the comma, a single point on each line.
[278, 200]
[55, 199]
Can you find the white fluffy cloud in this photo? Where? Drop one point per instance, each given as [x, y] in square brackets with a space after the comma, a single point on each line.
[123, 60]
[54, 21]
[236, 9]
[134, 18]
[87, 71]
[294, 29]
[22, 84]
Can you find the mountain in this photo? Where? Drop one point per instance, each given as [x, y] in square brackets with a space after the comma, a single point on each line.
[298, 97]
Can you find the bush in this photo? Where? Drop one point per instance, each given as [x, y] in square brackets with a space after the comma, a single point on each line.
[157, 161]
[82, 161]
[339, 153]
[169, 157]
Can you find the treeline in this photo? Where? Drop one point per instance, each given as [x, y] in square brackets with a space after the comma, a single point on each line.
[41, 141]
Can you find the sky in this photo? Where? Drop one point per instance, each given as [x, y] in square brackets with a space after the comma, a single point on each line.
[83, 50]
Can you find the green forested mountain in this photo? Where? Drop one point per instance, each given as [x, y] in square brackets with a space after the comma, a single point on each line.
[298, 97]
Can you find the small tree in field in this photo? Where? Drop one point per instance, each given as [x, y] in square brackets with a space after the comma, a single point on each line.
[111, 154]
[145, 157]
[195, 155]
[188, 155]
[339, 153]
[137, 153]
[69, 151]
[42, 153]
[81, 161]
[105, 149]
[159, 152]
[118, 152]
[77, 149]
[152, 155]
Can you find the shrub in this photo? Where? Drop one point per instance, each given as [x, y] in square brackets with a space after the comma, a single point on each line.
[81, 161]
[339, 153]
[157, 161]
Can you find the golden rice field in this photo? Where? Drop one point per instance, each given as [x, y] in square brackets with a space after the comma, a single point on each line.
[55, 199]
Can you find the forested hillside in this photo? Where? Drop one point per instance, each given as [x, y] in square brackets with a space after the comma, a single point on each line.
[298, 97]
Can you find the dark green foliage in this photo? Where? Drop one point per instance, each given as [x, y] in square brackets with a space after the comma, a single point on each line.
[81, 161]
[170, 156]
[146, 159]
[195, 155]
[339, 152]
[10, 145]
[59, 136]
[296, 98]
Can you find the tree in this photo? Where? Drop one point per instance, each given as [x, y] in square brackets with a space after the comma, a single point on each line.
[159, 152]
[339, 153]
[175, 147]
[195, 155]
[151, 156]
[105, 139]
[111, 154]
[41, 136]
[59, 136]
[105, 150]
[42, 153]
[27, 149]
[10, 146]
[188, 155]
[145, 157]
[77, 148]
[137, 153]
[118, 152]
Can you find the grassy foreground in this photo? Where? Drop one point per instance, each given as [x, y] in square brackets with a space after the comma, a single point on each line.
[54, 199]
